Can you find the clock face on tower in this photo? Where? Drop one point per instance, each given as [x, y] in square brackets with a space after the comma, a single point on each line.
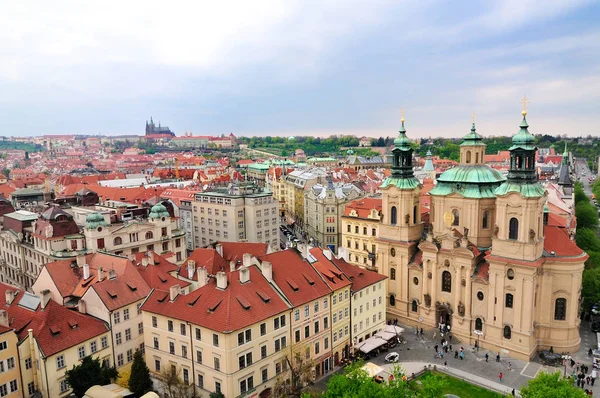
[448, 218]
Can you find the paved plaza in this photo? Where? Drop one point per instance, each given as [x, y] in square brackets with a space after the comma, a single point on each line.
[419, 352]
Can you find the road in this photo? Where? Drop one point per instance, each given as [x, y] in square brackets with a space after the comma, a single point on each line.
[583, 173]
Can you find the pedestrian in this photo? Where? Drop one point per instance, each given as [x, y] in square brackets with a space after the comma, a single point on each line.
[434, 335]
[455, 354]
[486, 356]
[442, 354]
[435, 348]
[446, 349]
[513, 392]
[500, 377]
[449, 337]
[509, 367]
[498, 357]
[588, 379]
[421, 331]
[462, 355]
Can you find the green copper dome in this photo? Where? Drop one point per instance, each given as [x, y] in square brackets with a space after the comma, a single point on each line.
[477, 181]
[402, 142]
[95, 220]
[523, 139]
[472, 139]
[158, 211]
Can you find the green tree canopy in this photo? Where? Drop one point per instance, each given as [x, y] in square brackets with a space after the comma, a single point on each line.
[551, 385]
[89, 373]
[590, 287]
[587, 239]
[355, 382]
[139, 381]
[587, 215]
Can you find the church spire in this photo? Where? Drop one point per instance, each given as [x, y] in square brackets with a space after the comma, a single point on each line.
[402, 152]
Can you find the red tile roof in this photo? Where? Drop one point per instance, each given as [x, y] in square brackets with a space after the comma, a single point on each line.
[236, 307]
[54, 317]
[208, 258]
[363, 207]
[360, 277]
[557, 240]
[233, 251]
[298, 280]
[332, 275]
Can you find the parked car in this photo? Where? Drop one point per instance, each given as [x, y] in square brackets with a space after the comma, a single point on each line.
[392, 357]
[596, 327]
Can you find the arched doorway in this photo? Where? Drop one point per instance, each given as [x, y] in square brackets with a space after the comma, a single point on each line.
[346, 353]
[336, 358]
[443, 314]
[267, 392]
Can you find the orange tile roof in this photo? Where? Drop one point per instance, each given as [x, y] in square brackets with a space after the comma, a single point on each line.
[203, 257]
[557, 240]
[233, 251]
[360, 277]
[363, 207]
[234, 308]
[332, 275]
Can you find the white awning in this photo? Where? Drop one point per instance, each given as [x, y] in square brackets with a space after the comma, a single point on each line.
[370, 344]
[387, 336]
[372, 369]
[393, 329]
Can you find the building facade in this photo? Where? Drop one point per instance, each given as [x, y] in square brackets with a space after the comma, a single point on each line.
[490, 266]
[360, 228]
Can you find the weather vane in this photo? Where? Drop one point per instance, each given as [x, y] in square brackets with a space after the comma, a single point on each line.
[524, 101]
[473, 117]
[402, 120]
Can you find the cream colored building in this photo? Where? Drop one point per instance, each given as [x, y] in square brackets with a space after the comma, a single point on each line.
[491, 267]
[242, 212]
[360, 228]
[10, 377]
[296, 184]
[230, 335]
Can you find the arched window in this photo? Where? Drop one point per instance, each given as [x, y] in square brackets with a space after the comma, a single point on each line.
[149, 235]
[456, 215]
[513, 229]
[507, 332]
[446, 282]
[560, 309]
[394, 215]
[118, 241]
[415, 215]
[477, 158]
[468, 156]
[508, 301]
[393, 274]
[478, 324]
[392, 300]
[485, 222]
[415, 306]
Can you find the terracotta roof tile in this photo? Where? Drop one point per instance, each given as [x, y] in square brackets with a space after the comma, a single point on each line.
[332, 275]
[360, 277]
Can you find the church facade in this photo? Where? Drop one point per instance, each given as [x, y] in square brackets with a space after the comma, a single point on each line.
[490, 265]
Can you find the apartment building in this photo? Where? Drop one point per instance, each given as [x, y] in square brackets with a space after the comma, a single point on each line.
[106, 286]
[369, 290]
[310, 297]
[230, 335]
[50, 340]
[182, 204]
[296, 184]
[10, 377]
[244, 212]
[340, 285]
[360, 226]
[323, 209]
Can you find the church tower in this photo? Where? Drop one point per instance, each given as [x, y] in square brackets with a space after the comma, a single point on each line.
[401, 227]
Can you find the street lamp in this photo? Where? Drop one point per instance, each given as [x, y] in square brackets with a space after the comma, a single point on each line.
[565, 358]
[478, 333]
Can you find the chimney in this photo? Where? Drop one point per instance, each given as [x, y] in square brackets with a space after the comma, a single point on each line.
[80, 260]
[267, 270]
[112, 274]
[100, 274]
[244, 274]
[44, 297]
[86, 271]
[191, 267]
[173, 292]
[247, 259]
[149, 253]
[327, 253]
[10, 296]
[4, 318]
[202, 276]
[81, 306]
[219, 249]
[144, 261]
[232, 266]
[221, 280]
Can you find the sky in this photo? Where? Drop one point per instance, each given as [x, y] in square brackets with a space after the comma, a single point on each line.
[299, 67]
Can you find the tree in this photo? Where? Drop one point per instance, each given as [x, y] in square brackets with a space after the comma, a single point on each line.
[432, 386]
[587, 215]
[89, 373]
[587, 239]
[139, 380]
[551, 385]
[172, 385]
[216, 395]
[580, 195]
[590, 287]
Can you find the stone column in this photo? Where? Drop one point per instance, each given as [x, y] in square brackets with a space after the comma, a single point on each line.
[468, 295]
[528, 306]
[519, 303]
[457, 287]
[434, 286]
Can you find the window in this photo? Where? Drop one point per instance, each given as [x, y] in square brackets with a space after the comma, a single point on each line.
[508, 302]
[265, 375]
[394, 216]
[201, 381]
[446, 281]
[297, 335]
[104, 342]
[263, 329]
[393, 274]
[64, 386]
[28, 363]
[60, 362]
[307, 330]
[129, 355]
[157, 365]
[81, 352]
[456, 215]
[215, 340]
[245, 360]
[186, 376]
[217, 363]
[117, 317]
[117, 241]
[198, 334]
[480, 296]
[141, 328]
[560, 309]
[316, 327]
[513, 229]
[126, 314]
[171, 348]
[263, 352]
[127, 334]
[182, 328]
[276, 323]
[349, 228]
[149, 235]
[244, 337]
[325, 302]
[247, 384]
[485, 221]
[31, 388]
[507, 332]
[156, 345]
[317, 348]
[478, 324]
[154, 322]
[415, 306]
[170, 325]
[392, 301]
[118, 338]
[325, 323]
[10, 363]
[510, 274]
[316, 306]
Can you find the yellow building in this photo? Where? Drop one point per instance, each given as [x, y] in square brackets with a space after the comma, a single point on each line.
[230, 335]
[360, 227]
[10, 378]
[491, 266]
[51, 339]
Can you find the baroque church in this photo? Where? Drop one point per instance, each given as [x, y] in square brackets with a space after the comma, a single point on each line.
[489, 265]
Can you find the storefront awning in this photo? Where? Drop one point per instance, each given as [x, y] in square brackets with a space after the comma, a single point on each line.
[371, 344]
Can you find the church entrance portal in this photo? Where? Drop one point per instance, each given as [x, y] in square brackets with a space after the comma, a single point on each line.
[443, 315]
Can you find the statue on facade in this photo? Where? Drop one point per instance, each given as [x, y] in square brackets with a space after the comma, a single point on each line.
[531, 234]
[496, 230]
[461, 309]
[427, 298]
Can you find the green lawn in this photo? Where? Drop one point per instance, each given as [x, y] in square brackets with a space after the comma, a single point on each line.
[457, 387]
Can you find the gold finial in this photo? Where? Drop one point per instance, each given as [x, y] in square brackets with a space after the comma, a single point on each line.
[473, 117]
[402, 120]
[524, 101]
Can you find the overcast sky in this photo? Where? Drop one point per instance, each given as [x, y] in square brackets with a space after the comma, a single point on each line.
[299, 67]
